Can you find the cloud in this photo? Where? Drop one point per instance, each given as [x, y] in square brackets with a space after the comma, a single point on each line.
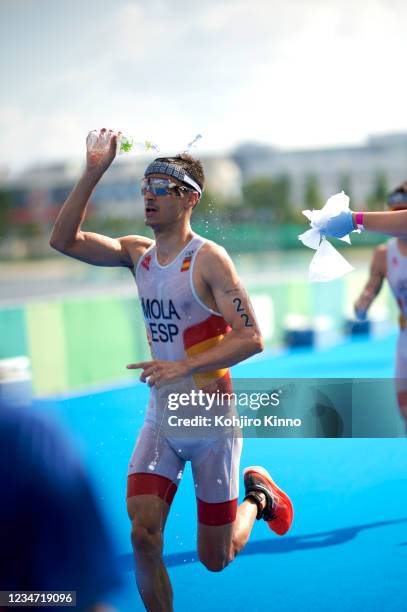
[288, 73]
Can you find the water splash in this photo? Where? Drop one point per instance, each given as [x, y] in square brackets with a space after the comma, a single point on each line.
[193, 142]
[128, 144]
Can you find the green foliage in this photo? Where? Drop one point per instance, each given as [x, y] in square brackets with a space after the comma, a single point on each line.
[5, 205]
[345, 184]
[270, 194]
[312, 196]
[212, 205]
[378, 196]
[117, 226]
[33, 229]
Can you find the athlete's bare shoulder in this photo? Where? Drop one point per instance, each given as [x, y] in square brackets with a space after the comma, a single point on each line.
[215, 267]
[135, 246]
[211, 253]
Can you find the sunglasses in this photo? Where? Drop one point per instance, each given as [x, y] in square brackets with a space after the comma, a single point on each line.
[161, 187]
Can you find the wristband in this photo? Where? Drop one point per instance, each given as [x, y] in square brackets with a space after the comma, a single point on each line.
[359, 221]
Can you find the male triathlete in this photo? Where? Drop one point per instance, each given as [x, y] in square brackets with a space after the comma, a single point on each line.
[199, 322]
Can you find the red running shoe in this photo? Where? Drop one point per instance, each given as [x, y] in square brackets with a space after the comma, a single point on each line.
[278, 511]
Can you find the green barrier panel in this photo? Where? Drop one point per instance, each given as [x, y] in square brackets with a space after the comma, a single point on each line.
[79, 342]
[299, 298]
[99, 340]
[254, 237]
[354, 283]
[327, 299]
[13, 333]
[280, 295]
[141, 349]
[47, 347]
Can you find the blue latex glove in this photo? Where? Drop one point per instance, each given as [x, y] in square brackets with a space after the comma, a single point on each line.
[338, 226]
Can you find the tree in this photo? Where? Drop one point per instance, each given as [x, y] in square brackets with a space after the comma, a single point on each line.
[5, 205]
[270, 194]
[312, 196]
[378, 195]
[345, 184]
[213, 206]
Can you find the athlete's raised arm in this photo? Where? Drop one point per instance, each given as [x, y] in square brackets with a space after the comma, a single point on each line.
[374, 283]
[67, 235]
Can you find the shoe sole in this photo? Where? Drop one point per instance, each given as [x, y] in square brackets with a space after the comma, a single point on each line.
[257, 469]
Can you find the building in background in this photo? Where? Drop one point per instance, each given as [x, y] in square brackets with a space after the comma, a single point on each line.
[37, 194]
[363, 171]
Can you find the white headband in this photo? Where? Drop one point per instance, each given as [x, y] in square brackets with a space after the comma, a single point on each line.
[159, 167]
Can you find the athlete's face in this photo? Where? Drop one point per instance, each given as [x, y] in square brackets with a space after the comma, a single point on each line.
[164, 210]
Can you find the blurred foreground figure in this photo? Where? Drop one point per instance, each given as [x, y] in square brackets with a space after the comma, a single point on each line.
[52, 537]
[390, 261]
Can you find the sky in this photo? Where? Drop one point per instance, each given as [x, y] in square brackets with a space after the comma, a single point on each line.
[289, 73]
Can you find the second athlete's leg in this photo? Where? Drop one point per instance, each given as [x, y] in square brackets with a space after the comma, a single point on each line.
[401, 375]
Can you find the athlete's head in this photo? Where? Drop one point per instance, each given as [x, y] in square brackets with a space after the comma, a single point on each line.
[171, 188]
[397, 199]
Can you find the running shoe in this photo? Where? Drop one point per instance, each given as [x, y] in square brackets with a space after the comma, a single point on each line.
[278, 511]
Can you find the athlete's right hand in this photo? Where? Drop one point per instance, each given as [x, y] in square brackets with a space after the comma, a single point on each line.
[101, 149]
[360, 314]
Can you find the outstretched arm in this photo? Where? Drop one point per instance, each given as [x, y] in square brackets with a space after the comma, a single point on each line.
[67, 235]
[374, 283]
[393, 223]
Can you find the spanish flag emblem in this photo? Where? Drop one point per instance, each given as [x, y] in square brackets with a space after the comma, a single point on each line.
[186, 263]
[200, 338]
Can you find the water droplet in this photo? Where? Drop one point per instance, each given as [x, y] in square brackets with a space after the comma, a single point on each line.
[219, 481]
[151, 467]
[193, 142]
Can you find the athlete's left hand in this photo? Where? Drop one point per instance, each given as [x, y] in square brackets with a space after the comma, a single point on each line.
[158, 372]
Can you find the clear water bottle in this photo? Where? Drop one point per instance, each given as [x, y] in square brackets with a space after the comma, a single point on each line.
[99, 142]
